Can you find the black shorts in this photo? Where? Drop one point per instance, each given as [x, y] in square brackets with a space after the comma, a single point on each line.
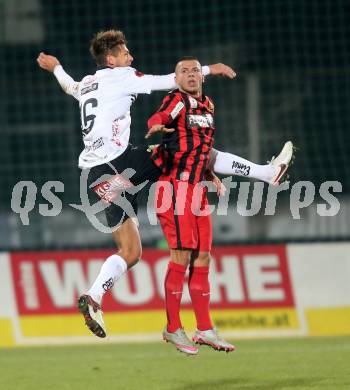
[114, 182]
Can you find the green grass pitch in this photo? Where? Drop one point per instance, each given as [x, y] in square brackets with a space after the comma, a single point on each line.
[265, 364]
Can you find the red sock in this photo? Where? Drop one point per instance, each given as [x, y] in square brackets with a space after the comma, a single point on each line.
[173, 284]
[199, 287]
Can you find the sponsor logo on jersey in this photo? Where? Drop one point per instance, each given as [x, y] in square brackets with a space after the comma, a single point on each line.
[240, 168]
[88, 89]
[116, 132]
[138, 73]
[175, 112]
[200, 120]
[109, 189]
[89, 79]
[96, 145]
[184, 176]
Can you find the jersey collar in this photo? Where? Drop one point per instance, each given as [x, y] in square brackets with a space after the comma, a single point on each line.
[103, 67]
[199, 98]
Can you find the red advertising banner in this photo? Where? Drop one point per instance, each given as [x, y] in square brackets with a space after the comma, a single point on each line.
[241, 277]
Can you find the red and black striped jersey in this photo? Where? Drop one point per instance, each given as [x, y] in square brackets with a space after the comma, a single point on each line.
[184, 153]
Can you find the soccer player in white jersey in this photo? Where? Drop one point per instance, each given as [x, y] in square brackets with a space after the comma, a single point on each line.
[105, 99]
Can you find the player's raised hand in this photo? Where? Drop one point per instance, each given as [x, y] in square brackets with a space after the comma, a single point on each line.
[158, 129]
[47, 62]
[222, 70]
[220, 188]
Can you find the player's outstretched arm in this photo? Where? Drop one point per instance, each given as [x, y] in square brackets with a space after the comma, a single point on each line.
[222, 70]
[156, 124]
[51, 64]
[220, 188]
[167, 82]
[158, 128]
[47, 62]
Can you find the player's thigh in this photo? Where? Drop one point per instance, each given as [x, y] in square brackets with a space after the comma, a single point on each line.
[133, 167]
[177, 221]
[205, 233]
[121, 208]
[172, 231]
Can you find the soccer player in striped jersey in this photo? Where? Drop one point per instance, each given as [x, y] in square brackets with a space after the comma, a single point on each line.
[186, 118]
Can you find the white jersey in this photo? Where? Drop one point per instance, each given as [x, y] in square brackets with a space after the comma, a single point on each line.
[105, 99]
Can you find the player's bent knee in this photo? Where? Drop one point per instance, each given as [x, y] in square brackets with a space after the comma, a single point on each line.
[131, 255]
[130, 260]
[133, 262]
[203, 259]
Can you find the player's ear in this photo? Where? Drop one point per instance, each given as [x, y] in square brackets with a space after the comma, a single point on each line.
[110, 60]
[203, 79]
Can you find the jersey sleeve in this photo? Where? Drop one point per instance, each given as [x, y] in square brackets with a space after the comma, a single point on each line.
[170, 109]
[205, 70]
[70, 86]
[146, 83]
[138, 82]
[167, 82]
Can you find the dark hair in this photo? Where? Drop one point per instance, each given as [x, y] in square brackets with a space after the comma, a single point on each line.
[104, 43]
[188, 58]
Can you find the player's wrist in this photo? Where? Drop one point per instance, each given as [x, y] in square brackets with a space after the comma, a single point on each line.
[206, 70]
[57, 68]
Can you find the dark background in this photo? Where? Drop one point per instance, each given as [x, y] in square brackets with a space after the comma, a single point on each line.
[296, 51]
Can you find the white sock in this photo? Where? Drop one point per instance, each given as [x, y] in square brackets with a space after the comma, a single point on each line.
[112, 269]
[230, 164]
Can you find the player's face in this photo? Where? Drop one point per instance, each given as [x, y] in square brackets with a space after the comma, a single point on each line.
[189, 77]
[123, 57]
